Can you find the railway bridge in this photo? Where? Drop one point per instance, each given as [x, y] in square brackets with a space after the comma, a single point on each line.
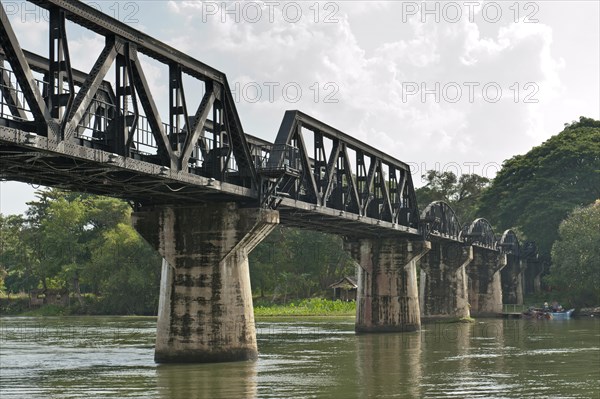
[205, 193]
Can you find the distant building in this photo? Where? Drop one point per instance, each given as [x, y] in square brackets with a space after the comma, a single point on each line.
[345, 289]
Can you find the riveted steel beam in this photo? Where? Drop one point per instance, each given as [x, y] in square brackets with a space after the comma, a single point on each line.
[17, 60]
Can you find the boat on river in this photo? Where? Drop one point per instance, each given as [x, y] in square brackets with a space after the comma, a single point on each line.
[562, 315]
[545, 314]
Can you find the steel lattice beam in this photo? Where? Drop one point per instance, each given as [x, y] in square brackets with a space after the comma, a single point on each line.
[382, 191]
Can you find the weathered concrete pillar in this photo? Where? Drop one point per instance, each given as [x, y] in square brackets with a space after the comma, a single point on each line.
[205, 309]
[485, 288]
[388, 297]
[512, 280]
[444, 281]
[532, 276]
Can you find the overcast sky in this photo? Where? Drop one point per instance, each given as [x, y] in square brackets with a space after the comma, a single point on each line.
[458, 86]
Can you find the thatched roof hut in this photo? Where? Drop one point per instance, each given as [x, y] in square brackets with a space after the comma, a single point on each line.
[345, 289]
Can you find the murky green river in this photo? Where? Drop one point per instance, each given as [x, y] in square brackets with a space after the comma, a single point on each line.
[112, 357]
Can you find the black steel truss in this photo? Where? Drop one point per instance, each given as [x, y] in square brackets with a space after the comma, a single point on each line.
[439, 220]
[65, 100]
[480, 233]
[509, 244]
[341, 173]
[73, 129]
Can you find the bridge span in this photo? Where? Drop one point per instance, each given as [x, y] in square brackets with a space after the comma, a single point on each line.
[205, 193]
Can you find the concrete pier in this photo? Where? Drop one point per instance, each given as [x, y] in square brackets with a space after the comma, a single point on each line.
[532, 276]
[444, 292]
[512, 280]
[205, 309]
[388, 297]
[485, 288]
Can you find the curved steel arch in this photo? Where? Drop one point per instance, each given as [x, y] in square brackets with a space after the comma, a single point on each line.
[509, 243]
[480, 232]
[438, 218]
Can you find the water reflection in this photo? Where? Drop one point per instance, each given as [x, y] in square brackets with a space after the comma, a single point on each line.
[210, 381]
[299, 357]
[389, 364]
[462, 359]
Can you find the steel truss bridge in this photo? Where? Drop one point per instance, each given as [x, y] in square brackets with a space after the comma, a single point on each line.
[73, 129]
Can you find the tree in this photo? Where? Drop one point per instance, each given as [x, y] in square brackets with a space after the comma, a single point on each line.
[576, 257]
[127, 270]
[298, 262]
[462, 194]
[82, 242]
[17, 261]
[536, 191]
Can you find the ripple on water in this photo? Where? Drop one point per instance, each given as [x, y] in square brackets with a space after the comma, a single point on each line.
[113, 358]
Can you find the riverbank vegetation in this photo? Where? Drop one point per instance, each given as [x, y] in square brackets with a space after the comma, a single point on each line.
[534, 193]
[19, 305]
[306, 307]
[576, 257]
[83, 246]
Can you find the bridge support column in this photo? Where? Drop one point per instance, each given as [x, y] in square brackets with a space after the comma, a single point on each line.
[512, 281]
[485, 288]
[532, 276]
[444, 281]
[205, 310]
[388, 297]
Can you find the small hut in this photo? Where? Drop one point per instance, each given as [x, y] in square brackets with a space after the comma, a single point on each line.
[345, 289]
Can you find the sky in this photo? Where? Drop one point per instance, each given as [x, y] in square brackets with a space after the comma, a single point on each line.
[451, 86]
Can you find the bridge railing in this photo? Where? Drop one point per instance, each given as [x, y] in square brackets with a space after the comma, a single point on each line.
[289, 156]
[13, 105]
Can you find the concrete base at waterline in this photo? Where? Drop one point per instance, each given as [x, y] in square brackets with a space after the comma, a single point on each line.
[485, 288]
[388, 297]
[443, 282]
[205, 310]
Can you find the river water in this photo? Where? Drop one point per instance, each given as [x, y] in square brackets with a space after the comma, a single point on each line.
[112, 357]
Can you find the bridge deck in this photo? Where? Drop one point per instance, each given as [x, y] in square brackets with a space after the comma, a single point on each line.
[36, 160]
[84, 169]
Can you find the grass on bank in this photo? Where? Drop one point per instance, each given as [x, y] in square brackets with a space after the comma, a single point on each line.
[19, 306]
[306, 307]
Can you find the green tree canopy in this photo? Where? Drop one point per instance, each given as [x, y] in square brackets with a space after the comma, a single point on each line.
[83, 243]
[86, 244]
[462, 194]
[576, 257]
[298, 262]
[536, 191]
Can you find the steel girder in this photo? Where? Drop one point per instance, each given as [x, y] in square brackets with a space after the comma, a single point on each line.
[509, 243]
[439, 220]
[529, 250]
[66, 99]
[480, 233]
[334, 170]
